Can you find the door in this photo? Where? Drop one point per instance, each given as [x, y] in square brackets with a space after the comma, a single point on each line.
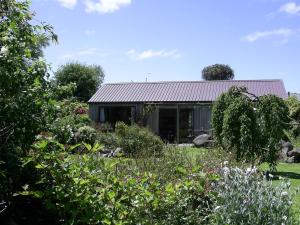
[167, 124]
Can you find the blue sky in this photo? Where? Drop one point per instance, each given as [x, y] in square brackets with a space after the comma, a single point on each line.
[175, 39]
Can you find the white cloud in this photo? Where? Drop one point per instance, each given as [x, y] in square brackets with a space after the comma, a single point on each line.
[70, 4]
[83, 53]
[290, 8]
[89, 32]
[105, 6]
[282, 33]
[151, 54]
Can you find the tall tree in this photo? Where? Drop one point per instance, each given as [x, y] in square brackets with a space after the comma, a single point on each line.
[22, 87]
[218, 72]
[86, 77]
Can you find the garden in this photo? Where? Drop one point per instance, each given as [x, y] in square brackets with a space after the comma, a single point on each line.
[57, 167]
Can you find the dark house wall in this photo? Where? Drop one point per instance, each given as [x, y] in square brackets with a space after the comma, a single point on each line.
[195, 118]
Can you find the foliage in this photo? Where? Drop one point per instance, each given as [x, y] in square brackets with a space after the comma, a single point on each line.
[143, 116]
[84, 189]
[61, 92]
[87, 78]
[246, 198]
[273, 121]
[218, 72]
[110, 140]
[137, 140]
[251, 128]
[68, 107]
[294, 112]
[86, 134]
[64, 128]
[22, 88]
[66, 118]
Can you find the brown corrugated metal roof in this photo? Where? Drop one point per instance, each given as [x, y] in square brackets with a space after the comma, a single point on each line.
[182, 91]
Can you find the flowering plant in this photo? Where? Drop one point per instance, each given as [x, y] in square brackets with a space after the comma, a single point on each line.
[246, 197]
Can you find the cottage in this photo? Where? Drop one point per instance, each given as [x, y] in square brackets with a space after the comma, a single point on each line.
[177, 111]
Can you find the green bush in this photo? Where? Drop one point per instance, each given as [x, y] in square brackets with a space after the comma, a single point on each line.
[84, 189]
[137, 140]
[294, 112]
[86, 134]
[109, 140]
[246, 198]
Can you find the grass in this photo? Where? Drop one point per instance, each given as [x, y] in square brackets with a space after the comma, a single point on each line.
[292, 173]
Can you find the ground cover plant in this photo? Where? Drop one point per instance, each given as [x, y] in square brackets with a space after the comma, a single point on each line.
[246, 198]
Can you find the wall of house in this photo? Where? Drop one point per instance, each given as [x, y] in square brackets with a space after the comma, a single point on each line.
[95, 109]
[94, 112]
[202, 117]
[153, 121]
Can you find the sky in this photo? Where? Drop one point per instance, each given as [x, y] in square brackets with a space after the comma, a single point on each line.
[169, 40]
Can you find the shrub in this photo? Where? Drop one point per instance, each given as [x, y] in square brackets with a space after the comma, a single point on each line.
[84, 189]
[136, 140]
[86, 134]
[69, 107]
[294, 112]
[109, 140]
[64, 128]
[246, 198]
[61, 92]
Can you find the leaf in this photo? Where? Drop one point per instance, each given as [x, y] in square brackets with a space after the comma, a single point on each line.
[40, 166]
[181, 170]
[169, 188]
[87, 146]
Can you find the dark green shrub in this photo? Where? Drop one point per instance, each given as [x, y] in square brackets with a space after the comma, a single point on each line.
[109, 140]
[137, 140]
[23, 90]
[294, 112]
[86, 134]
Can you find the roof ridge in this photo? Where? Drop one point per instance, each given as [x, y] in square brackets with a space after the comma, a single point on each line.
[195, 81]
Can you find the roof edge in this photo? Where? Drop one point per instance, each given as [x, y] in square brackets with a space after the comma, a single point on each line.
[195, 81]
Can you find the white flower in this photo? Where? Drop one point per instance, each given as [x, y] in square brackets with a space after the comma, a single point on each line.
[225, 170]
[284, 193]
[284, 218]
[4, 50]
[248, 170]
[225, 163]
[271, 176]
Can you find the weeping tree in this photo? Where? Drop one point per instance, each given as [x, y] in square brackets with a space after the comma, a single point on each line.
[218, 72]
[249, 126]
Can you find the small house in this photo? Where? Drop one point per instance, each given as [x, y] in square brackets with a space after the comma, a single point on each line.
[177, 111]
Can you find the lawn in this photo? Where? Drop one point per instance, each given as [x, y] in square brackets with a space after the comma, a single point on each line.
[291, 172]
